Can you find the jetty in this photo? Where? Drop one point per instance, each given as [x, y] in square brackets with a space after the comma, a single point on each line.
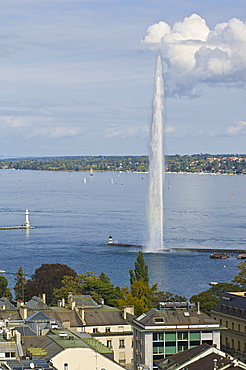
[181, 249]
[26, 225]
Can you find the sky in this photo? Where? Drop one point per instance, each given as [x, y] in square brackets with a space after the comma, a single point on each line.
[77, 76]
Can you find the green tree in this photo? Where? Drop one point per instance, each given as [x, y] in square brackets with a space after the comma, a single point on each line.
[47, 278]
[141, 271]
[240, 278]
[99, 287]
[209, 298]
[20, 283]
[161, 296]
[138, 298]
[4, 290]
[140, 294]
[70, 284]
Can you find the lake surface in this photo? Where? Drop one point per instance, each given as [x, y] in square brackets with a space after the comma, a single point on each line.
[74, 219]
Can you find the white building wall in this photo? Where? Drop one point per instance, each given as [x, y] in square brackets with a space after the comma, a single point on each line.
[120, 353]
[103, 328]
[216, 338]
[148, 350]
[83, 359]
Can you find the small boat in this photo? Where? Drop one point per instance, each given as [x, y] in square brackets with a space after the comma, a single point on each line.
[219, 255]
[213, 283]
[241, 256]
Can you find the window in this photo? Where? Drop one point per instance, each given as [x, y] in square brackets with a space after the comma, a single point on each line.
[158, 347]
[107, 330]
[209, 342]
[122, 358]
[109, 343]
[170, 348]
[182, 346]
[232, 325]
[65, 366]
[122, 343]
[158, 336]
[232, 343]
[226, 324]
[239, 345]
[183, 335]
[239, 327]
[195, 335]
[170, 336]
[95, 330]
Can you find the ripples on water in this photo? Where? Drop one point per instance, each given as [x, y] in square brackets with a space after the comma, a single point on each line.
[75, 218]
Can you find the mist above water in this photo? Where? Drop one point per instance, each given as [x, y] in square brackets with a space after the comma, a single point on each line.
[155, 212]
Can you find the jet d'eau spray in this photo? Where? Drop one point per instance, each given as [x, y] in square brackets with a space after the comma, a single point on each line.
[155, 212]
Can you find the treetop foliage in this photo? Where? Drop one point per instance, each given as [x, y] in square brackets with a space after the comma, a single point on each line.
[57, 281]
[141, 270]
[240, 279]
[209, 298]
[46, 278]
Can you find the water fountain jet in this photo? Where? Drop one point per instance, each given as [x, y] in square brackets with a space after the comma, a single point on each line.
[155, 209]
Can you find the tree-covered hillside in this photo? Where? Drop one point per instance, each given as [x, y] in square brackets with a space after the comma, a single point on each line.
[196, 163]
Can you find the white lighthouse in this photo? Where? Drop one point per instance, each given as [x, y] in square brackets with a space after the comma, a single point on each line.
[27, 223]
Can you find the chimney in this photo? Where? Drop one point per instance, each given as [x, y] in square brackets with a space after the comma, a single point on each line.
[63, 302]
[127, 309]
[20, 303]
[198, 308]
[23, 312]
[44, 298]
[72, 305]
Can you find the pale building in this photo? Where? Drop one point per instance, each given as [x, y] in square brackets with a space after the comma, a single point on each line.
[230, 312]
[107, 324]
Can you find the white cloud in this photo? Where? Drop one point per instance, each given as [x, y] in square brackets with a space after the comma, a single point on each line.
[125, 131]
[15, 122]
[193, 53]
[55, 132]
[30, 127]
[239, 128]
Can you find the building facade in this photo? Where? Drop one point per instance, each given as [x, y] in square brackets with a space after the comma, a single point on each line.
[230, 312]
[108, 325]
[172, 328]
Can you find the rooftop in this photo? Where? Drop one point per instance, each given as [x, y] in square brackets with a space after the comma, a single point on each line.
[175, 317]
[233, 304]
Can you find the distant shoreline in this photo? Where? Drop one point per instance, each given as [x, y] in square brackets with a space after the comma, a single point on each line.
[194, 164]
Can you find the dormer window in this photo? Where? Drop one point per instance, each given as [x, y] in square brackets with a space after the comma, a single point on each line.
[158, 320]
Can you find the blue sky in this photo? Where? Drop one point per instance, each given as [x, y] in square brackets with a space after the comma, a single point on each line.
[77, 76]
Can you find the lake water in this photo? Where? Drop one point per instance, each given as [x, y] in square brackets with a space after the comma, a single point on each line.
[74, 219]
